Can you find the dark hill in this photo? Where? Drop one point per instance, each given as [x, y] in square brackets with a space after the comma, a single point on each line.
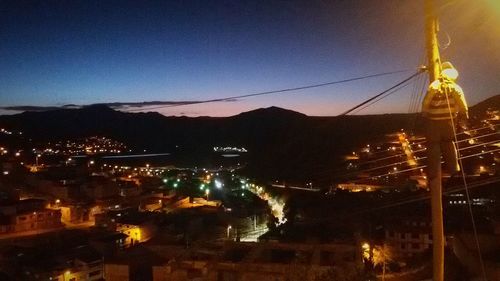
[282, 144]
[273, 111]
[480, 108]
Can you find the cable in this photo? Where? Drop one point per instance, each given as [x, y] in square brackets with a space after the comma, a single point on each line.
[341, 172]
[424, 166]
[420, 150]
[420, 71]
[414, 199]
[382, 97]
[466, 189]
[423, 149]
[480, 153]
[275, 91]
[478, 137]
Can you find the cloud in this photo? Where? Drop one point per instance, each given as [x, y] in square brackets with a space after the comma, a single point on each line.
[162, 103]
[37, 108]
[127, 106]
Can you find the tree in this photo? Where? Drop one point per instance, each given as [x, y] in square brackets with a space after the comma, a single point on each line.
[381, 256]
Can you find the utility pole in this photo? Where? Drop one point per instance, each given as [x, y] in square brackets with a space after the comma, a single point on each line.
[435, 185]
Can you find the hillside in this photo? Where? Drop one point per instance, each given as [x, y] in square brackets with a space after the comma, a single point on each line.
[282, 144]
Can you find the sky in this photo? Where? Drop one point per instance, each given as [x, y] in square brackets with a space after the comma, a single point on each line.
[55, 53]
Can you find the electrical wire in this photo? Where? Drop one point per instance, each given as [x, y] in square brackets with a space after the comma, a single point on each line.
[414, 199]
[274, 91]
[420, 71]
[423, 149]
[424, 166]
[469, 203]
[380, 98]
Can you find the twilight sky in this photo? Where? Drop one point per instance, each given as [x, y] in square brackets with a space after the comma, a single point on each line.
[54, 53]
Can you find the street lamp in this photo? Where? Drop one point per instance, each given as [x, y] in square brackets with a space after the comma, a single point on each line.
[207, 191]
[229, 227]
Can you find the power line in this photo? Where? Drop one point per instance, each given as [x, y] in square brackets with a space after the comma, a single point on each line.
[423, 149]
[382, 97]
[384, 92]
[469, 203]
[423, 166]
[275, 91]
[414, 199]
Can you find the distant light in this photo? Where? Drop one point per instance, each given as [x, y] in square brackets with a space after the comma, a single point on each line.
[175, 184]
[58, 201]
[165, 180]
[218, 184]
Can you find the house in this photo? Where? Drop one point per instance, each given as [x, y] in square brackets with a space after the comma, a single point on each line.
[261, 261]
[410, 236]
[28, 215]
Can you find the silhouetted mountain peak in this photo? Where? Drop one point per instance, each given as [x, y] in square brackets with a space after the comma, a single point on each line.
[97, 108]
[273, 111]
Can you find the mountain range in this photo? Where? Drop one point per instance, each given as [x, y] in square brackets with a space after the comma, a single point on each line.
[281, 144]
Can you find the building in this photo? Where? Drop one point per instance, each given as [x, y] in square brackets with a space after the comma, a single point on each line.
[87, 264]
[262, 261]
[28, 215]
[409, 237]
[77, 213]
[138, 227]
[56, 263]
[100, 187]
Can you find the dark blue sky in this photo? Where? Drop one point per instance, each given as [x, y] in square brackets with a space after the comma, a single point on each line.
[83, 52]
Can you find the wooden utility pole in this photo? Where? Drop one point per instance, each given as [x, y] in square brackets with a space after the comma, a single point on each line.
[434, 67]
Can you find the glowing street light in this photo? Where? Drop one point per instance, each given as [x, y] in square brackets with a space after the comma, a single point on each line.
[366, 250]
[218, 184]
[229, 227]
[38, 156]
